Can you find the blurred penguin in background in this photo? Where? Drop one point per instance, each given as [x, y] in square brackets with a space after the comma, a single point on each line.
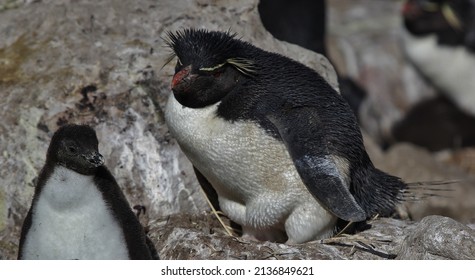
[439, 40]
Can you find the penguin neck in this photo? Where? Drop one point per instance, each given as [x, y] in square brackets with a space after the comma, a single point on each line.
[67, 189]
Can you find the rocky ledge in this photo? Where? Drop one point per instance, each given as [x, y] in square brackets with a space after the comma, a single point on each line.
[202, 237]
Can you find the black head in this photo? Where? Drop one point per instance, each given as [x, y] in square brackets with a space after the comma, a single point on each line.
[210, 64]
[448, 19]
[75, 147]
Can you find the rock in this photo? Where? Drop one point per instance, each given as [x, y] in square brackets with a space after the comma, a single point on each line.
[439, 238]
[201, 237]
[463, 158]
[100, 63]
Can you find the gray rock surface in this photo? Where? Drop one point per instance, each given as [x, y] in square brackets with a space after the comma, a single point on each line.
[100, 63]
[434, 237]
[439, 238]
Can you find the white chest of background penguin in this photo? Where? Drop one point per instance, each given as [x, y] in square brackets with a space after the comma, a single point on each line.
[439, 39]
[78, 210]
[279, 145]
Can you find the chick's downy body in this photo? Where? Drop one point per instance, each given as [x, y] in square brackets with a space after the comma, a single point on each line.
[277, 143]
[78, 210]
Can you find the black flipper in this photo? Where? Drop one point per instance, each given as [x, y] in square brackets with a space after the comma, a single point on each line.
[301, 130]
[25, 228]
[135, 237]
[151, 248]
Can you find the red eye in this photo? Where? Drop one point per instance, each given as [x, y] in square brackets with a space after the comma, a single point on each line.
[217, 74]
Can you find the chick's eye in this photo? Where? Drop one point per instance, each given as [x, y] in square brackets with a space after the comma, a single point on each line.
[72, 149]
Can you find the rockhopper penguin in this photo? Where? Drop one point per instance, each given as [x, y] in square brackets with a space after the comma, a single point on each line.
[439, 39]
[279, 145]
[78, 210]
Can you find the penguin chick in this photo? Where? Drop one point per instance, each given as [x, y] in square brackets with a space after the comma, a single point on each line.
[78, 210]
[281, 148]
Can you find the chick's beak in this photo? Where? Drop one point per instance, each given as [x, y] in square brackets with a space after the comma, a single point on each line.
[95, 159]
[182, 80]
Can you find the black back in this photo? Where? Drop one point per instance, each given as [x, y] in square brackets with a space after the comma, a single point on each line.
[294, 104]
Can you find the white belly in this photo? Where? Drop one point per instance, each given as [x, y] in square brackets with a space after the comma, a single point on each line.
[451, 69]
[72, 221]
[257, 184]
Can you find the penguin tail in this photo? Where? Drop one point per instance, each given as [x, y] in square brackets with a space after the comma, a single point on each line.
[419, 191]
[377, 192]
